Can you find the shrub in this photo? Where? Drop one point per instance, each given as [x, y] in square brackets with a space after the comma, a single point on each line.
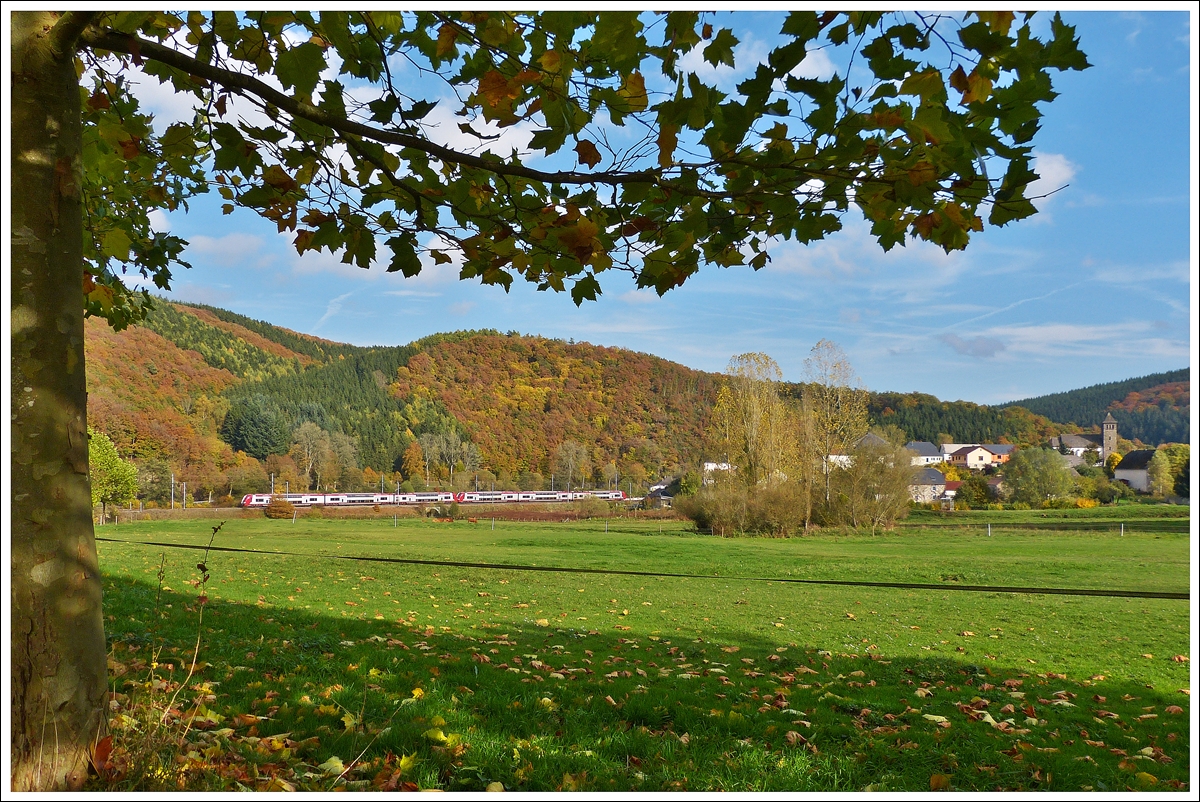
[1018, 505]
[1086, 503]
[593, 508]
[729, 510]
[280, 508]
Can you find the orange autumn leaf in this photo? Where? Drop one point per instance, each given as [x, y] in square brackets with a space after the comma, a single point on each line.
[587, 152]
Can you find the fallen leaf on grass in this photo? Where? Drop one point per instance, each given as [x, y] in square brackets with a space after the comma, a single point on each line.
[1174, 710]
[333, 766]
[939, 782]
[935, 719]
[1180, 658]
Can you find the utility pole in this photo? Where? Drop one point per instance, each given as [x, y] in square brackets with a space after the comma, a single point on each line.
[287, 486]
[185, 495]
[272, 484]
[172, 490]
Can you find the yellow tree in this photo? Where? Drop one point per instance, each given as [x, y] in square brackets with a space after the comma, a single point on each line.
[750, 423]
[837, 403]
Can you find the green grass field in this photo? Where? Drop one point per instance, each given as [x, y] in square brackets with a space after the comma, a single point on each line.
[458, 678]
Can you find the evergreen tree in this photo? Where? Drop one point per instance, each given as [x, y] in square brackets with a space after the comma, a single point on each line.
[253, 425]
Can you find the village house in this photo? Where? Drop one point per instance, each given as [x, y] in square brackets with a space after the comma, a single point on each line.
[1000, 451]
[925, 453]
[708, 469]
[974, 458]
[929, 486]
[845, 460]
[1134, 469]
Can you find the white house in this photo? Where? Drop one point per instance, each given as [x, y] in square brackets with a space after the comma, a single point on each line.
[846, 460]
[709, 468]
[1134, 469]
[925, 453]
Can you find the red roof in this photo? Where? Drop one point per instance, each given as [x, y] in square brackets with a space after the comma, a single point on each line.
[952, 485]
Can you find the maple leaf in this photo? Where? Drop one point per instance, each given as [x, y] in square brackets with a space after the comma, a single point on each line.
[587, 152]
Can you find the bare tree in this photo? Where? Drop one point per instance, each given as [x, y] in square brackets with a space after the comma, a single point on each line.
[309, 442]
[837, 403]
[471, 458]
[571, 458]
[430, 451]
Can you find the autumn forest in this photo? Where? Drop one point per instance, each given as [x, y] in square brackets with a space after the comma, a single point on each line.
[223, 402]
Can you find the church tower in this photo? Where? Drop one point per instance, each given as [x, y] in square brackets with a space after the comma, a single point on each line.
[1109, 426]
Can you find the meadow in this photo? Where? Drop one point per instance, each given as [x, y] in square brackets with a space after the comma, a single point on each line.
[318, 670]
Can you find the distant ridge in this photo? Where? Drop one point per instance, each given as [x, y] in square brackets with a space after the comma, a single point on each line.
[165, 390]
[1152, 408]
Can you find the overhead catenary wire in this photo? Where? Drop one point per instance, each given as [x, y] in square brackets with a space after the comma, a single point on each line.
[1123, 594]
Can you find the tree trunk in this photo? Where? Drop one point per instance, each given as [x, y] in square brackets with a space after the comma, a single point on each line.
[58, 663]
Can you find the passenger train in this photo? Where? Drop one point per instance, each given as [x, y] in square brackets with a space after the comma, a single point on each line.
[440, 497]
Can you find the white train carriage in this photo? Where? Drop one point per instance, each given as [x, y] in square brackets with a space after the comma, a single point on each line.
[432, 497]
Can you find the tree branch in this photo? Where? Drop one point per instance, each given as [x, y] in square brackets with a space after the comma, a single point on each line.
[64, 36]
[126, 43]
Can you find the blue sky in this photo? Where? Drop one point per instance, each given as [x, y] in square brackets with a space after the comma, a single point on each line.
[1095, 288]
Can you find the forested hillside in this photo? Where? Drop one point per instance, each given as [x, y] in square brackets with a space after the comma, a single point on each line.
[243, 354]
[1154, 409]
[162, 406]
[519, 397]
[924, 417]
[224, 401]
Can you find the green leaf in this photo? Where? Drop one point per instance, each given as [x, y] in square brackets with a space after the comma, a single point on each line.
[404, 255]
[720, 49]
[585, 289]
[300, 67]
[116, 244]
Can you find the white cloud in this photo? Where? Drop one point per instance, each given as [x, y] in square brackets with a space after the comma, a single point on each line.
[747, 55]
[441, 126]
[913, 274]
[1112, 340]
[640, 297]
[1054, 171]
[332, 308]
[1140, 274]
[981, 347]
[816, 64]
[159, 220]
[234, 250]
[461, 307]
